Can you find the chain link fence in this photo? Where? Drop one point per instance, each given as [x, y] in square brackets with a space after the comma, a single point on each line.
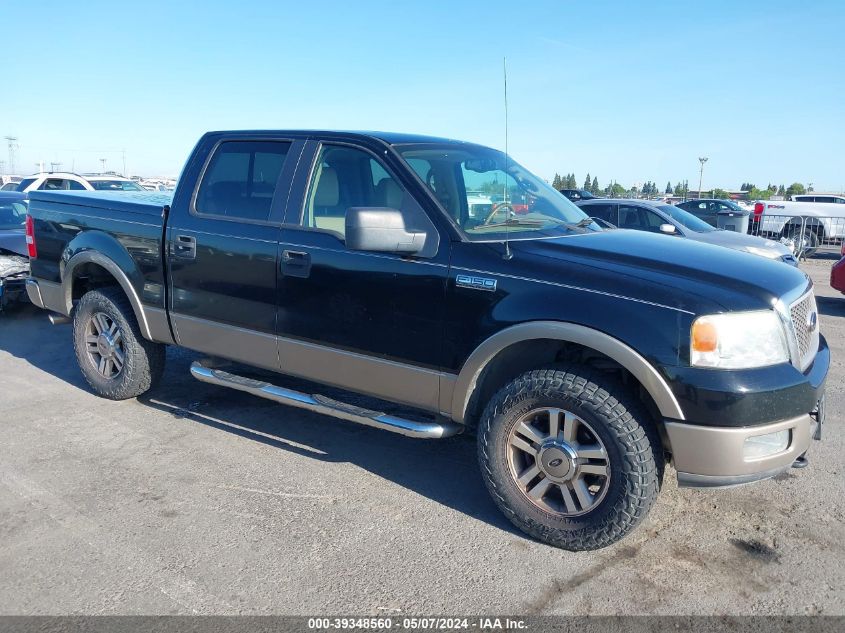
[806, 235]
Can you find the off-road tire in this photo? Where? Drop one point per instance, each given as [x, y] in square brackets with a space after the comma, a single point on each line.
[144, 360]
[630, 437]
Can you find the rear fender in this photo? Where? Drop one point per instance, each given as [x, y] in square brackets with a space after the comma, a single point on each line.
[97, 247]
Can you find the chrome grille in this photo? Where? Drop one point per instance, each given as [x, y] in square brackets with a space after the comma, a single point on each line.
[805, 326]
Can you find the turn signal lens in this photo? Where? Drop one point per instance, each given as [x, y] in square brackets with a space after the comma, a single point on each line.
[704, 336]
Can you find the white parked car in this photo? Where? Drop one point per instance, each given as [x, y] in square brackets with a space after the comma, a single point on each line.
[67, 181]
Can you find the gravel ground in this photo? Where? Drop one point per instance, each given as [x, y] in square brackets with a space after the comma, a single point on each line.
[197, 499]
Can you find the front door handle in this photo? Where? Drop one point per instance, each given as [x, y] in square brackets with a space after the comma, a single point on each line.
[185, 247]
[296, 263]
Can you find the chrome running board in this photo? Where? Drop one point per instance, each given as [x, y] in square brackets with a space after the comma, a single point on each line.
[324, 405]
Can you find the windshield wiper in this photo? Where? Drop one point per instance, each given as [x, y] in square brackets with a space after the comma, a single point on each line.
[580, 224]
[537, 222]
[514, 222]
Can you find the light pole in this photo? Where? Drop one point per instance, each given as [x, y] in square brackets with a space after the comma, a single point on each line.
[103, 163]
[701, 160]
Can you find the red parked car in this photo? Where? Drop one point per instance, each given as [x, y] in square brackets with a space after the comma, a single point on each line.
[837, 274]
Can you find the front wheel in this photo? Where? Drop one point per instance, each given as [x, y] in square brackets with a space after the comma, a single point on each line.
[116, 360]
[570, 457]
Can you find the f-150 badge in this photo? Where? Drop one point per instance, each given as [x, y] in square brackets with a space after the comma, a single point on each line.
[476, 283]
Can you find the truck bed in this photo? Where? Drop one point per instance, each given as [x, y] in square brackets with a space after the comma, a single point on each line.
[139, 202]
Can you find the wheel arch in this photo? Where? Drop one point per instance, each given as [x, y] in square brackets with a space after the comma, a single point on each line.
[87, 261]
[528, 344]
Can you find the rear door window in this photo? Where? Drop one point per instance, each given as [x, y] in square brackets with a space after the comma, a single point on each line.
[240, 180]
[606, 212]
[638, 218]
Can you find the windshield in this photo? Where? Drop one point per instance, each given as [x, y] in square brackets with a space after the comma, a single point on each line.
[26, 182]
[686, 218]
[12, 215]
[491, 197]
[115, 185]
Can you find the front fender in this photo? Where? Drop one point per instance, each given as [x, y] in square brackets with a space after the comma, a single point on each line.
[623, 354]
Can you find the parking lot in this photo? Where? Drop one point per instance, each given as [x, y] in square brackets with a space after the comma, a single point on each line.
[200, 500]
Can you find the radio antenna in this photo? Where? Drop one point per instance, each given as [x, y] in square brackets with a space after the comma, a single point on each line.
[508, 253]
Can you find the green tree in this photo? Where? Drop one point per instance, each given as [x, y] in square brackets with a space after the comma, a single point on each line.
[587, 182]
[721, 194]
[668, 190]
[796, 188]
[760, 194]
[571, 183]
[556, 183]
[781, 191]
[594, 186]
[617, 190]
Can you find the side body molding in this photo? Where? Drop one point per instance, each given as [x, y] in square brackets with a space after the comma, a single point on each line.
[94, 257]
[629, 358]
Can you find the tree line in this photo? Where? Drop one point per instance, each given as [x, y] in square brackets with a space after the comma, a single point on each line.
[615, 190]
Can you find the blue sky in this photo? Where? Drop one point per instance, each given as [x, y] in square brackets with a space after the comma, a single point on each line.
[633, 91]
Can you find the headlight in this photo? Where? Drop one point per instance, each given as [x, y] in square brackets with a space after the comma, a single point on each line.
[738, 340]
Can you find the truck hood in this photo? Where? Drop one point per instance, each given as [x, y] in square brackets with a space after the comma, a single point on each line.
[13, 241]
[662, 269]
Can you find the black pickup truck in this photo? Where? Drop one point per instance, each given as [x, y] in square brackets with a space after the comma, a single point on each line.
[402, 268]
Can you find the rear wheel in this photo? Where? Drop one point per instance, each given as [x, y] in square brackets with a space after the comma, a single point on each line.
[114, 358]
[570, 457]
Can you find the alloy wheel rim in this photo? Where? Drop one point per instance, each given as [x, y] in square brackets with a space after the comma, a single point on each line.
[558, 462]
[104, 345]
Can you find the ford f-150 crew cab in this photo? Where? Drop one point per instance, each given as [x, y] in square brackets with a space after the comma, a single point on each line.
[584, 360]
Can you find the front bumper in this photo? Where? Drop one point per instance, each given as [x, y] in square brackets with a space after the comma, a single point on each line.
[714, 457]
[725, 408]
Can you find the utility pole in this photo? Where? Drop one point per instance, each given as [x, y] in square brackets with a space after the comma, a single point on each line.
[103, 164]
[123, 152]
[701, 160]
[13, 146]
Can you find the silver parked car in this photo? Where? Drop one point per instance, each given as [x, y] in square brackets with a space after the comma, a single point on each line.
[657, 217]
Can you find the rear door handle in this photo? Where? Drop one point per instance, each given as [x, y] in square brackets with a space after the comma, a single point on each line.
[185, 247]
[296, 263]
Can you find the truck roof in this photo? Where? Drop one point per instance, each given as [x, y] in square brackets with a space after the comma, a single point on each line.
[391, 138]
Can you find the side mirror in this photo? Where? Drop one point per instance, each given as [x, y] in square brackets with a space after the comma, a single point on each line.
[381, 230]
[667, 228]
